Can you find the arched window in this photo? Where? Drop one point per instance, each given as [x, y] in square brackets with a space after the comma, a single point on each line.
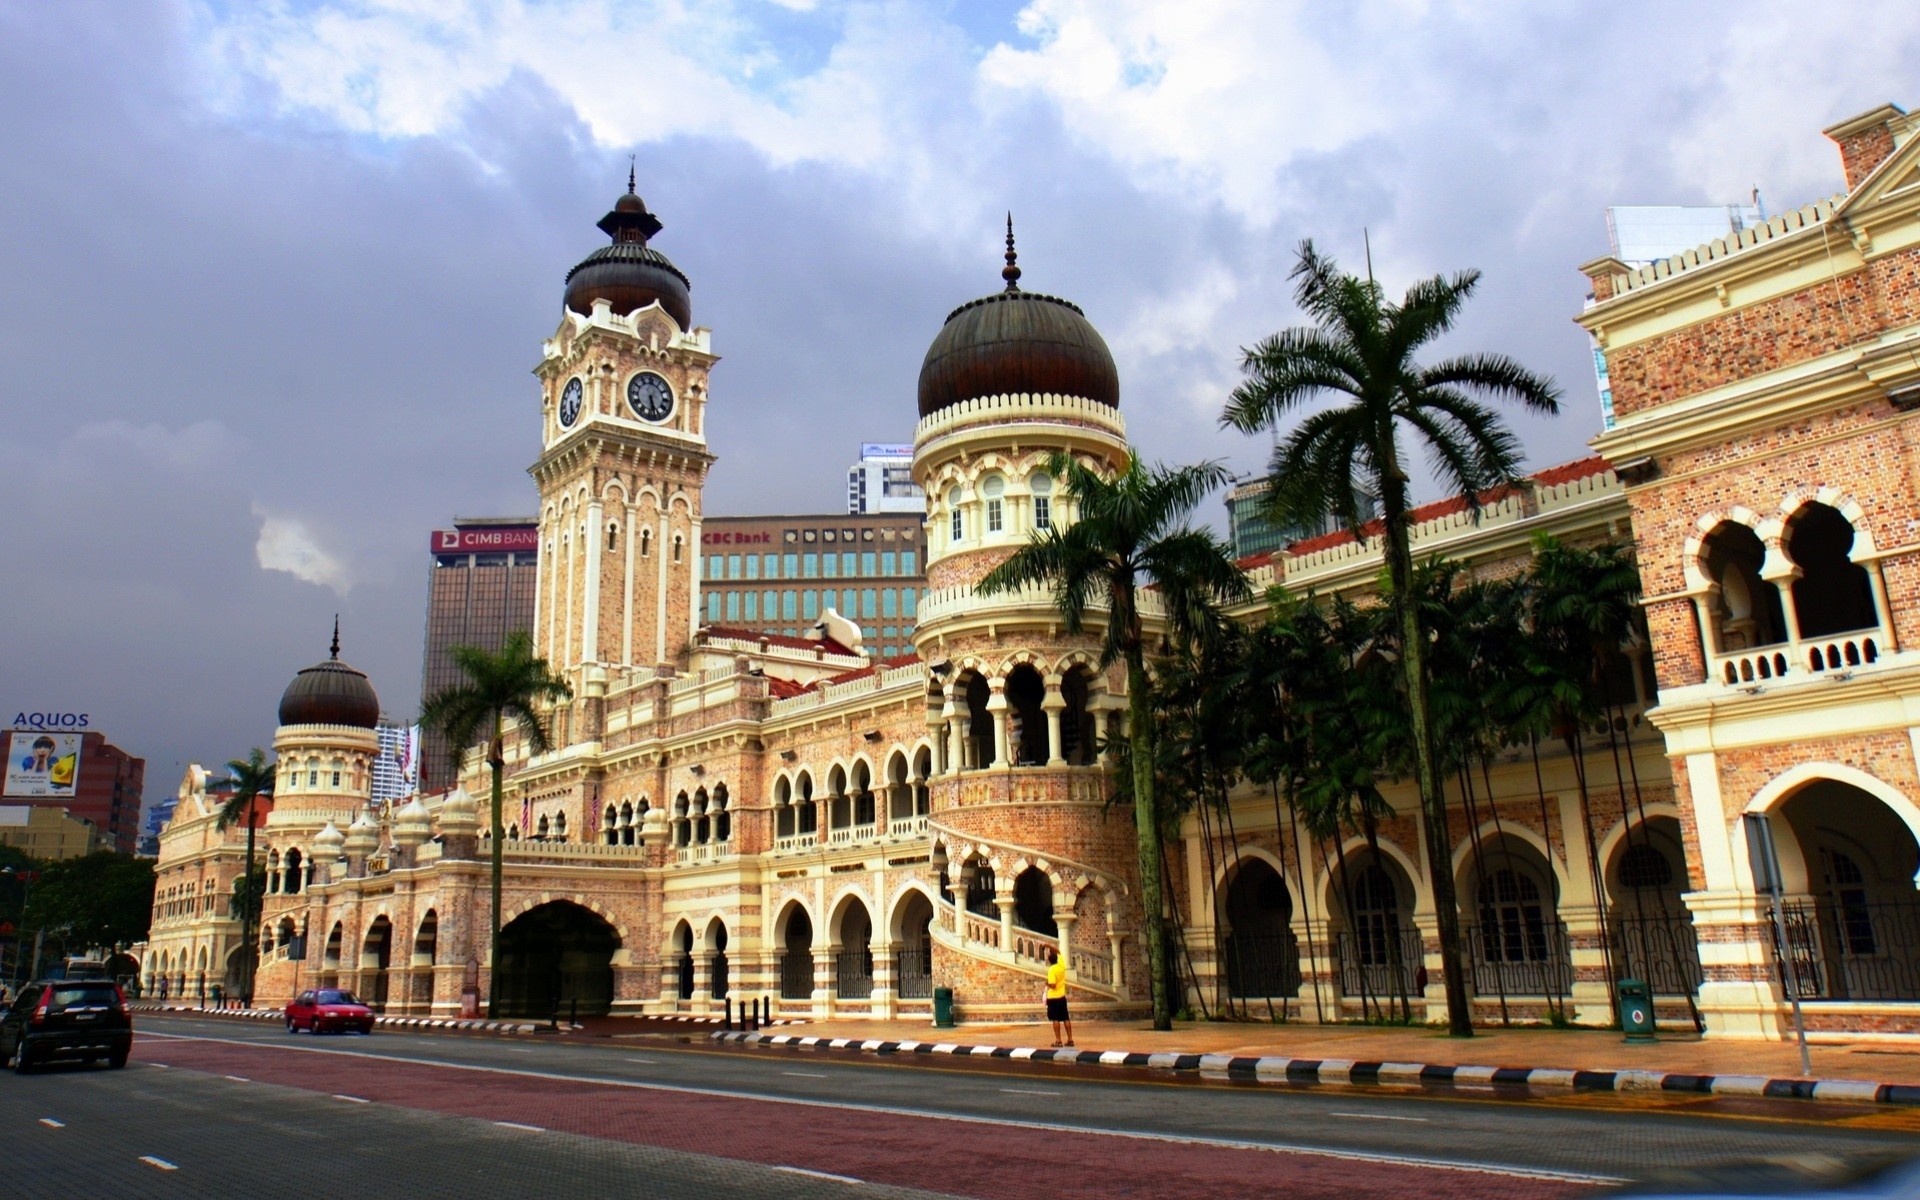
[678, 543]
[1833, 594]
[957, 524]
[613, 536]
[994, 488]
[610, 823]
[722, 819]
[646, 543]
[560, 827]
[1513, 923]
[1041, 485]
[1643, 866]
[541, 829]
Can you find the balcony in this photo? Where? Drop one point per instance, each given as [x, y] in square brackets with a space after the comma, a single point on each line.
[1798, 658]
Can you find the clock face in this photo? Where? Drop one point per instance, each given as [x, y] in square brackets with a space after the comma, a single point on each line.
[570, 403]
[650, 397]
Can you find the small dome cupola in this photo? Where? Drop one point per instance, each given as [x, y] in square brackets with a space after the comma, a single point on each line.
[1016, 342]
[330, 693]
[629, 274]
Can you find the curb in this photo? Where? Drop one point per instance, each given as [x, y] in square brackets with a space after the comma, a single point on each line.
[498, 1028]
[1267, 1069]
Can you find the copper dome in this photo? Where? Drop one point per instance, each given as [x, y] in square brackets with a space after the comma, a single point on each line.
[1014, 342]
[330, 693]
[629, 274]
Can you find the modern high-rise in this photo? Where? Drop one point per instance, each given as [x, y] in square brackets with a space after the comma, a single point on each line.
[480, 589]
[1250, 532]
[882, 481]
[778, 574]
[396, 770]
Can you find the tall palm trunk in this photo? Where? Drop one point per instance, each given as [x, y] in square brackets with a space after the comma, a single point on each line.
[1146, 827]
[249, 910]
[1433, 800]
[496, 761]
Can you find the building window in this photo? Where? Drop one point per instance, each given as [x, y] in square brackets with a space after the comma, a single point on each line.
[789, 566]
[868, 563]
[809, 604]
[831, 569]
[889, 562]
[810, 566]
[958, 530]
[753, 566]
[733, 606]
[909, 602]
[994, 488]
[733, 567]
[713, 606]
[1042, 512]
[789, 605]
[679, 545]
[869, 604]
[613, 537]
[769, 604]
[889, 605]
[907, 564]
[753, 606]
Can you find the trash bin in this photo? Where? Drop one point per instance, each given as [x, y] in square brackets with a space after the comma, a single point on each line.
[943, 1008]
[1636, 1010]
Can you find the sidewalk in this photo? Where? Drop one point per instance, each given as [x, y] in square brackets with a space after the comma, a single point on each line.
[1552, 1056]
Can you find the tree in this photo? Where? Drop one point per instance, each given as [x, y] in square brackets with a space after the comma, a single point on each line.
[1361, 349]
[1131, 532]
[515, 685]
[103, 900]
[251, 778]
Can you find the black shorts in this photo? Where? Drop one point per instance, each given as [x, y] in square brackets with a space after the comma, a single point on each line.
[1057, 1008]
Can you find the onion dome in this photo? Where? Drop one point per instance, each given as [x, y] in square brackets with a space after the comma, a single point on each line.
[328, 844]
[412, 825]
[629, 274]
[458, 813]
[1017, 342]
[363, 836]
[330, 693]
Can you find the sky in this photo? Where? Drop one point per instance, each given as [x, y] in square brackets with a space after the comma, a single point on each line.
[274, 274]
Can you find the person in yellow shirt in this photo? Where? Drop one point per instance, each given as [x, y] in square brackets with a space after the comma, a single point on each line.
[1057, 998]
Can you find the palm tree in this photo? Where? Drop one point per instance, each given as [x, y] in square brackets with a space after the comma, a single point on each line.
[1361, 348]
[1131, 532]
[511, 685]
[252, 778]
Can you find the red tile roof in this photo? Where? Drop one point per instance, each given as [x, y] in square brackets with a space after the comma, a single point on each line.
[1553, 476]
[779, 639]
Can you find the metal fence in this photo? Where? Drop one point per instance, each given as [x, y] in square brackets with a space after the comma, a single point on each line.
[1261, 964]
[796, 975]
[853, 974]
[1854, 949]
[1658, 948]
[1519, 958]
[916, 971]
[1379, 963]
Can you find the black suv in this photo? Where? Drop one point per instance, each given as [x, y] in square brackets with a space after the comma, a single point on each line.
[77, 1020]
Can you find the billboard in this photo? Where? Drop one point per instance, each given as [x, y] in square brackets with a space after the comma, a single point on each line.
[886, 450]
[42, 764]
[486, 537]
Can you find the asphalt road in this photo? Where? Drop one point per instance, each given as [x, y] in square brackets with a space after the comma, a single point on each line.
[224, 1108]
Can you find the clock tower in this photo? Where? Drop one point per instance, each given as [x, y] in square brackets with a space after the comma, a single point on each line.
[623, 394]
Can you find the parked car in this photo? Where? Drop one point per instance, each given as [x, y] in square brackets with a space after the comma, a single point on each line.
[72, 1020]
[319, 1010]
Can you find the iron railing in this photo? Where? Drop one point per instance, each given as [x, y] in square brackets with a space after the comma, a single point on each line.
[853, 974]
[796, 975]
[1519, 958]
[1848, 948]
[1659, 949]
[1379, 963]
[916, 971]
[1261, 964]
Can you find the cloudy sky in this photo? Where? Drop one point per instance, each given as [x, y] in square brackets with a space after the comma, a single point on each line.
[273, 275]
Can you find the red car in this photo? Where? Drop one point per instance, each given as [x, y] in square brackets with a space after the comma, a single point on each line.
[323, 1009]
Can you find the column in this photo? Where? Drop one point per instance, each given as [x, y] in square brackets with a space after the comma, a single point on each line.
[626, 593]
[951, 746]
[1004, 902]
[1579, 908]
[663, 559]
[1065, 921]
[1779, 571]
[997, 713]
[1054, 704]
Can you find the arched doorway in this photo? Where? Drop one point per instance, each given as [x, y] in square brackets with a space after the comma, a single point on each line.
[1027, 730]
[1033, 902]
[1648, 924]
[717, 982]
[1514, 934]
[796, 955]
[853, 960]
[376, 956]
[1257, 939]
[913, 960]
[1378, 949]
[1852, 913]
[426, 948]
[557, 958]
[683, 960]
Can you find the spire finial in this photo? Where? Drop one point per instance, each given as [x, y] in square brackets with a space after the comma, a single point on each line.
[630, 170]
[1011, 272]
[334, 650]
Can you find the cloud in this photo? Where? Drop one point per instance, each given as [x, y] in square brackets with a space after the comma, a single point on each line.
[286, 544]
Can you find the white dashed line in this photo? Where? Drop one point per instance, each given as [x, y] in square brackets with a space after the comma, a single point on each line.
[160, 1163]
[820, 1175]
[804, 1074]
[50, 1123]
[649, 1061]
[237, 1078]
[519, 1126]
[1029, 1092]
[1377, 1117]
[518, 1050]
[352, 1099]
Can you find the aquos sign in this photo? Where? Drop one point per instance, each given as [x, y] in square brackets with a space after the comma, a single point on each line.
[38, 721]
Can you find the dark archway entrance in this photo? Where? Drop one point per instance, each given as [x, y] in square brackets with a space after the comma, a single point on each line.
[376, 956]
[557, 958]
[1262, 958]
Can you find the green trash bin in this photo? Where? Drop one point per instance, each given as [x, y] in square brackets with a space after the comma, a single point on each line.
[943, 1008]
[1636, 1010]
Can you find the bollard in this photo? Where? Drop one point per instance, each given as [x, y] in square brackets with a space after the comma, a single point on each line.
[728, 1026]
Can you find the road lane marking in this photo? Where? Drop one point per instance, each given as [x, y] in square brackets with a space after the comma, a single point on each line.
[805, 1074]
[160, 1163]
[50, 1123]
[352, 1099]
[1029, 1092]
[820, 1175]
[1384, 1158]
[649, 1061]
[517, 1050]
[518, 1125]
[237, 1078]
[1376, 1117]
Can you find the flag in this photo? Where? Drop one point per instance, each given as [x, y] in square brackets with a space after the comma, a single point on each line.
[410, 757]
[526, 815]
